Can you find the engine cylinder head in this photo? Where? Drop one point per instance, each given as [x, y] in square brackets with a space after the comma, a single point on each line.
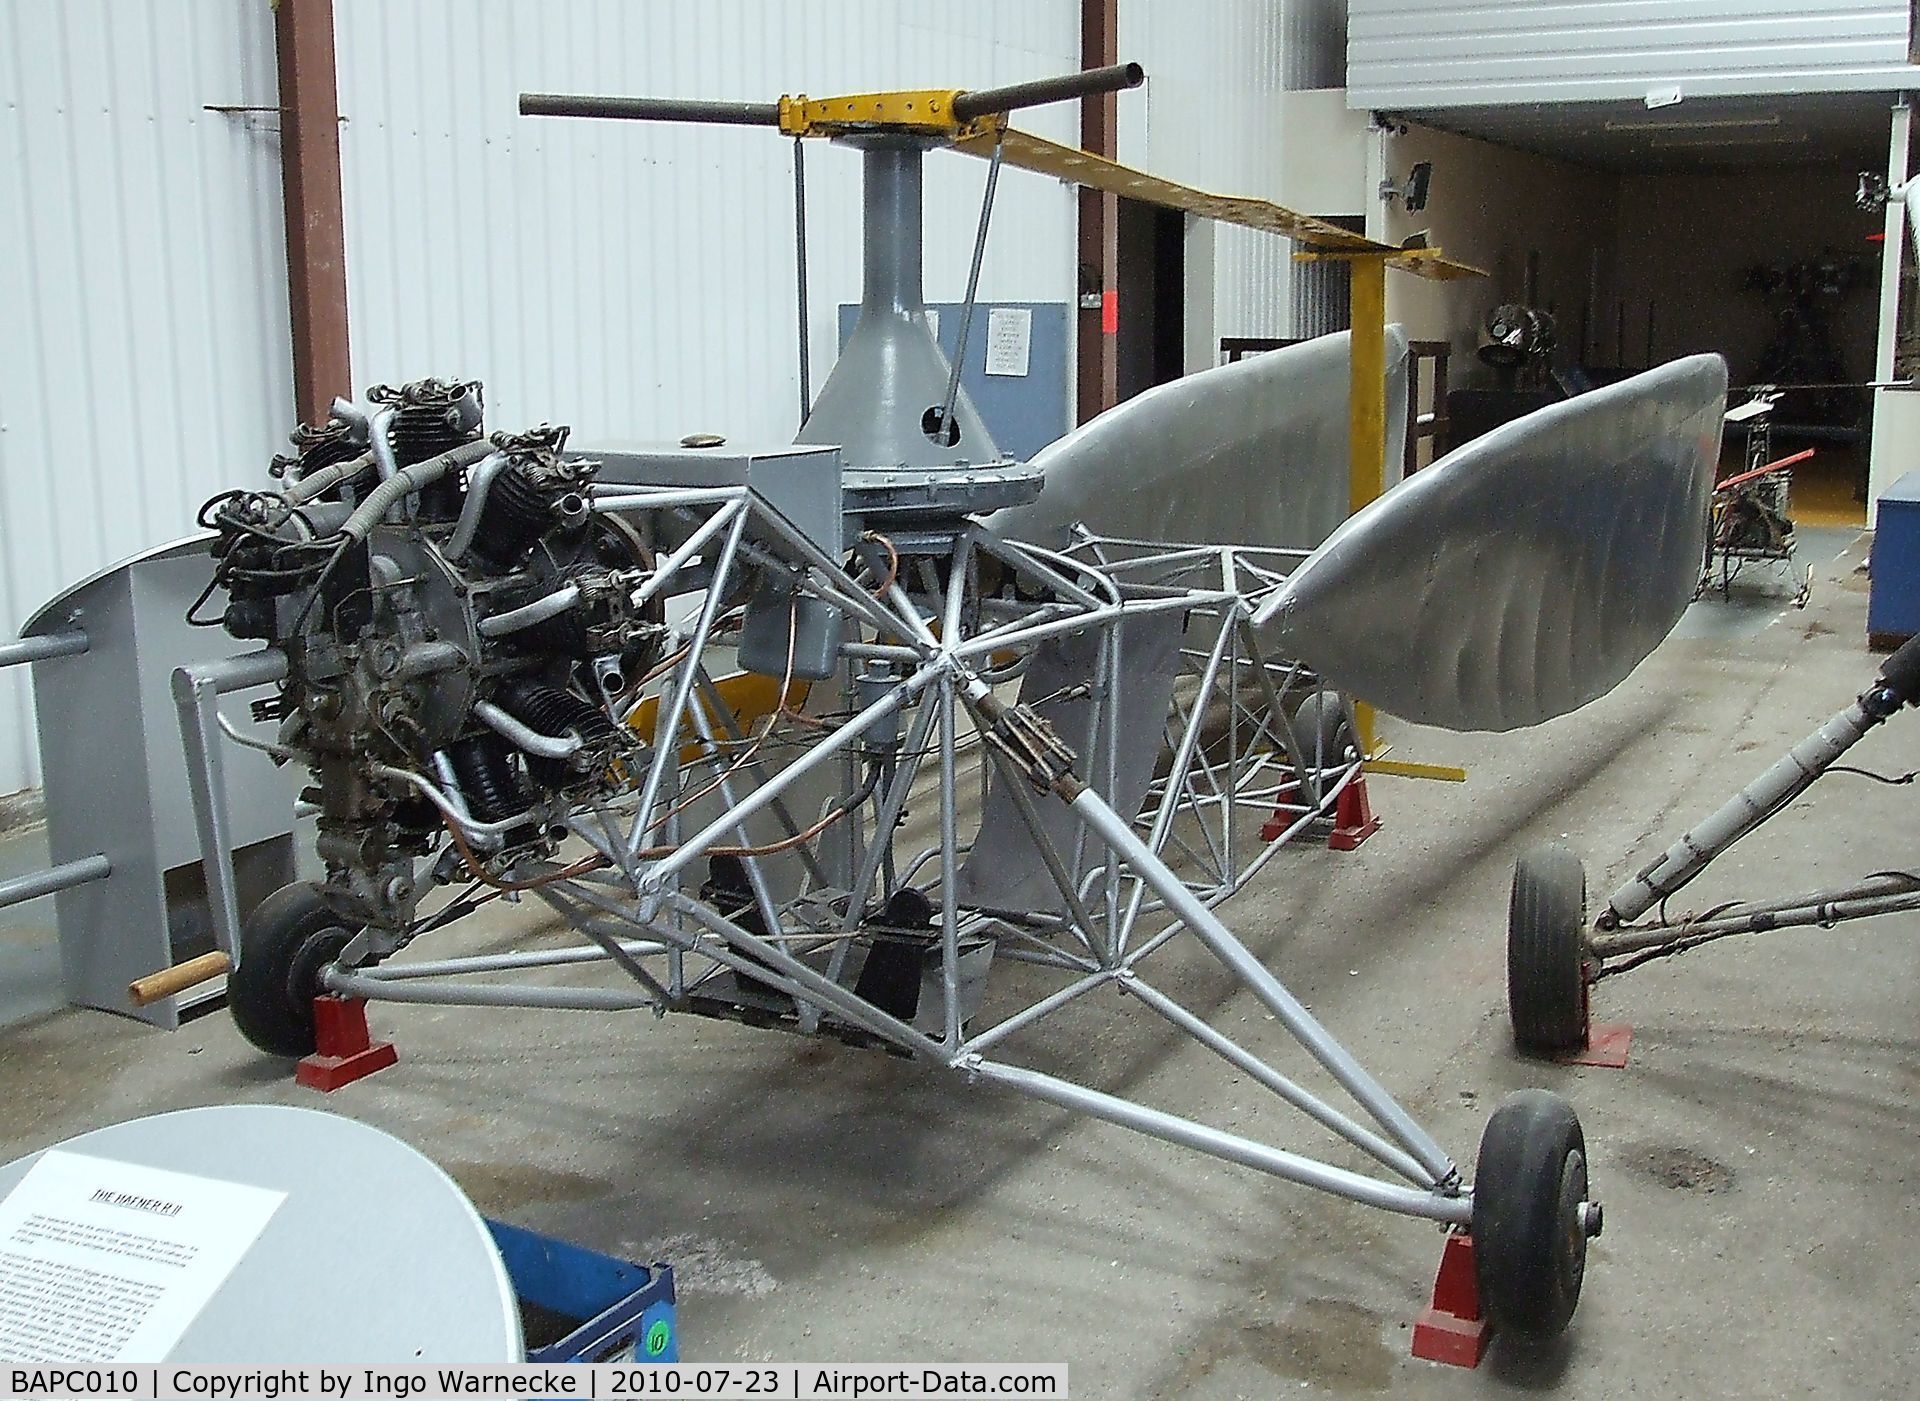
[517, 514]
[431, 416]
[319, 445]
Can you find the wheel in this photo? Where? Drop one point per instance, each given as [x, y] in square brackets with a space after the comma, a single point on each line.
[1547, 951]
[290, 936]
[1531, 1218]
[1324, 724]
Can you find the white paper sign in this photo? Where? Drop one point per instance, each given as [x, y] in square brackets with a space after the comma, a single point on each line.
[102, 1261]
[1009, 339]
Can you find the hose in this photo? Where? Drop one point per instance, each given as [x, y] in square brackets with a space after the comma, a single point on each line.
[404, 482]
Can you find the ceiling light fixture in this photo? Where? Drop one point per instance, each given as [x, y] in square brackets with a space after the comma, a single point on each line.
[1699, 124]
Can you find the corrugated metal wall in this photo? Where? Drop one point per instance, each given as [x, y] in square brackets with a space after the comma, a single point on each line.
[635, 279]
[632, 280]
[1427, 54]
[1211, 117]
[1315, 44]
[143, 360]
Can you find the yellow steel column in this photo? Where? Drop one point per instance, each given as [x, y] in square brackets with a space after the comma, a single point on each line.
[1367, 385]
[1367, 409]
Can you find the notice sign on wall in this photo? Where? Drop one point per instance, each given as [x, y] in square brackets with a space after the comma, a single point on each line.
[103, 1261]
[1009, 340]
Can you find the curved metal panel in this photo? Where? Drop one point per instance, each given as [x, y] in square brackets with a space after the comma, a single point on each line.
[1253, 453]
[55, 613]
[1527, 572]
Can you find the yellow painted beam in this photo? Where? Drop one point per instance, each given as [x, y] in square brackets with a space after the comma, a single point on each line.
[1406, 768]
[1070, 163]
[1367, 411]
[927, 110]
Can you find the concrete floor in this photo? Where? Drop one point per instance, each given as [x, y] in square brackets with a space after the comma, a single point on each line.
[1756, 1158]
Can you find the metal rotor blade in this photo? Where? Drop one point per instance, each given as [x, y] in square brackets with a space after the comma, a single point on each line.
[1527, 572]
[1252, 453]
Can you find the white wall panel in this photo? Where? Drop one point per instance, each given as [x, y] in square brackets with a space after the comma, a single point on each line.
[1428, 54]
[635, 279]
[1212, 118]
[144, 360]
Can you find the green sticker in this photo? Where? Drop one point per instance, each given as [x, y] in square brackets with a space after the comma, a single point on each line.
[659, 1334]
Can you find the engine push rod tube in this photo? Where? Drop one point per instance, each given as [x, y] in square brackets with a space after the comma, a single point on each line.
[541, 609]
[527, 738]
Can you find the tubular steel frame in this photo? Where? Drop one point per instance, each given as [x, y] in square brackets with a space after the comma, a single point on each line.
[941, 643]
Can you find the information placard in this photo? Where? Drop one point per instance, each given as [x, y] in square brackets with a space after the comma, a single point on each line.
[105, 1261]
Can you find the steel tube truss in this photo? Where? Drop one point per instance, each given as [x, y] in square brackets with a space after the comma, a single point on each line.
[1111, 709]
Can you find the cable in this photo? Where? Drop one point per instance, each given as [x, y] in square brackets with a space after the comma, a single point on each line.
[1904, 778]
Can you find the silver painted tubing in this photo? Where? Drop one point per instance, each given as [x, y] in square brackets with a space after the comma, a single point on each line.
[1427, 1203]
[39, 649]
[1786, 914]
[509, 962]
[692, 545]
[380, 442]
[1207, 928]
[691, 850]
[65, 876]
[483, 833]
[447, 994]
[541, 609]
[628, 496]
[196, 695]
[527, 738]
[668, 717]
[479, 483]
[1304, 1100]
[1747, 809]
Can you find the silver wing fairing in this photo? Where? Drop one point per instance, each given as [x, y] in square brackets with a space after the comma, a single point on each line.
[1252, 453]
[1527, 572]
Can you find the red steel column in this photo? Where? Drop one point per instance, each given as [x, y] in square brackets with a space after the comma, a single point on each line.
[1097, 367]
[310, 192]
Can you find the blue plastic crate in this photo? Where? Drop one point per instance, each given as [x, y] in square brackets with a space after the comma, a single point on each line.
[1893, 605]
[619, 1306]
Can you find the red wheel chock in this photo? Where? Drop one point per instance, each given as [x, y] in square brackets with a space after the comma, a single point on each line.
[1353, 819]
[1607, 1046]
[344, 1051]
[1451, 1329]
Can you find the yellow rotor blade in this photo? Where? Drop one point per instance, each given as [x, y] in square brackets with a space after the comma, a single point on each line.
[1079, 167]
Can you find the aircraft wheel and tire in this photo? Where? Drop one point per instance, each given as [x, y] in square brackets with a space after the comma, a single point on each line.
[1547, 951]
[1531, 1217]
[1324, 724]
[284, 944]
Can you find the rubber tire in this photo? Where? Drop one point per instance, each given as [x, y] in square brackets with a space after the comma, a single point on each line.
[1324, 724]
[1529, 1244]
[290, 936]
[1547, 951]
